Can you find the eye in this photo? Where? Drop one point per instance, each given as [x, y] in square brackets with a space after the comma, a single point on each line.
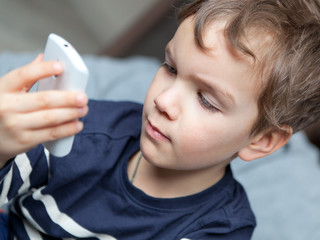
[206, 104]
[169, 68]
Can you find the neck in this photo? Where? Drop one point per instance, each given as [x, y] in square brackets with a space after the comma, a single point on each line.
[168, 183]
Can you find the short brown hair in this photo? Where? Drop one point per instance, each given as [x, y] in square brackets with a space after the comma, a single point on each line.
[290, 66]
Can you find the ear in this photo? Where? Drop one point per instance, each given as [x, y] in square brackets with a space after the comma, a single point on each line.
[265, 143]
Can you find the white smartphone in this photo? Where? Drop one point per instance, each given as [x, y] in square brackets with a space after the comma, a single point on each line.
[74, 78]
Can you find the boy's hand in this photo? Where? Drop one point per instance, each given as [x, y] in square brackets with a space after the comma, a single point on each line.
[28, 119]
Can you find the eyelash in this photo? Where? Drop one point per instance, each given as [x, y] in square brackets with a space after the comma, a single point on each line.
[206, 104]
[202, 100]
[169, 68]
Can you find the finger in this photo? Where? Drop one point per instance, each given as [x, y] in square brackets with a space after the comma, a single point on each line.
[61, 131]
[23, 78]
[23, 103]
[50, 118]
[38, 59]
[29, 139]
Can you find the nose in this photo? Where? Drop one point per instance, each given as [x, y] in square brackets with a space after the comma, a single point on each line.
[167, 103]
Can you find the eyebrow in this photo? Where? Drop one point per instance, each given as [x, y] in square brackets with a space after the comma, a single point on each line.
[222, 95]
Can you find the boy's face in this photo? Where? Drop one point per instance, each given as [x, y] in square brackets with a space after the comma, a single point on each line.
[201, 106]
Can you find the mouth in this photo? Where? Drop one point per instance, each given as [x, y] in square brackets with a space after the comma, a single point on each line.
[155, 133]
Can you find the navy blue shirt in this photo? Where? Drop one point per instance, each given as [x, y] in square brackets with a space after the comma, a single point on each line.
[87, 194]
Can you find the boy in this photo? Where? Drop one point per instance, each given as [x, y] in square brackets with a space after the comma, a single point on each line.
[238, 79]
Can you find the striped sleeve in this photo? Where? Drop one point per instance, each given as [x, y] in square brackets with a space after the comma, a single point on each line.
[25, 171]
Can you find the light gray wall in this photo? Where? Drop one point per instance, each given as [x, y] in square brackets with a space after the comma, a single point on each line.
[88, 25]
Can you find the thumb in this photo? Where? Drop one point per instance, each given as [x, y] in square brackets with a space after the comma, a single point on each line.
[38, 59]
[23, 78]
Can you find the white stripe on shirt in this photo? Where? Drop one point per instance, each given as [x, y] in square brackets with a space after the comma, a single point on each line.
[6, 187]
[28, 216]
[32, 233]
[25, 169]
[63, 220]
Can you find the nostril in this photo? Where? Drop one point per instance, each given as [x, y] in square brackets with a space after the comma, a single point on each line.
[165, 111]
[156, 103]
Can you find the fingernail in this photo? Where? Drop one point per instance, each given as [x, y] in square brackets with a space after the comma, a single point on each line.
[80, 126]
[58, 66]
[81, 98]
[83, 110]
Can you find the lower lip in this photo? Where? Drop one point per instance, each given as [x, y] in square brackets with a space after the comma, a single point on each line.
[154, 133]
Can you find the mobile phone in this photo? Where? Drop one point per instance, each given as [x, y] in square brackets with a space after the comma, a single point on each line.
[74, 78]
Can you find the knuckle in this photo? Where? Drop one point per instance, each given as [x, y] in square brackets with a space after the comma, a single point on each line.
[10, 124]
[75, 114]
[22, 72]
[49, 119]
[43, 101]
[62, 131]
[54, 134]
[23, 138]
[70, 99]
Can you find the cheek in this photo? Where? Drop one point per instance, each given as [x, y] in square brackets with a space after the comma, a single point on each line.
[195, 140]
[210, 143]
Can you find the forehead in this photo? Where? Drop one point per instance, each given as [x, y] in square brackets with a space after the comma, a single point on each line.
[219, 63]
[214, 40]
